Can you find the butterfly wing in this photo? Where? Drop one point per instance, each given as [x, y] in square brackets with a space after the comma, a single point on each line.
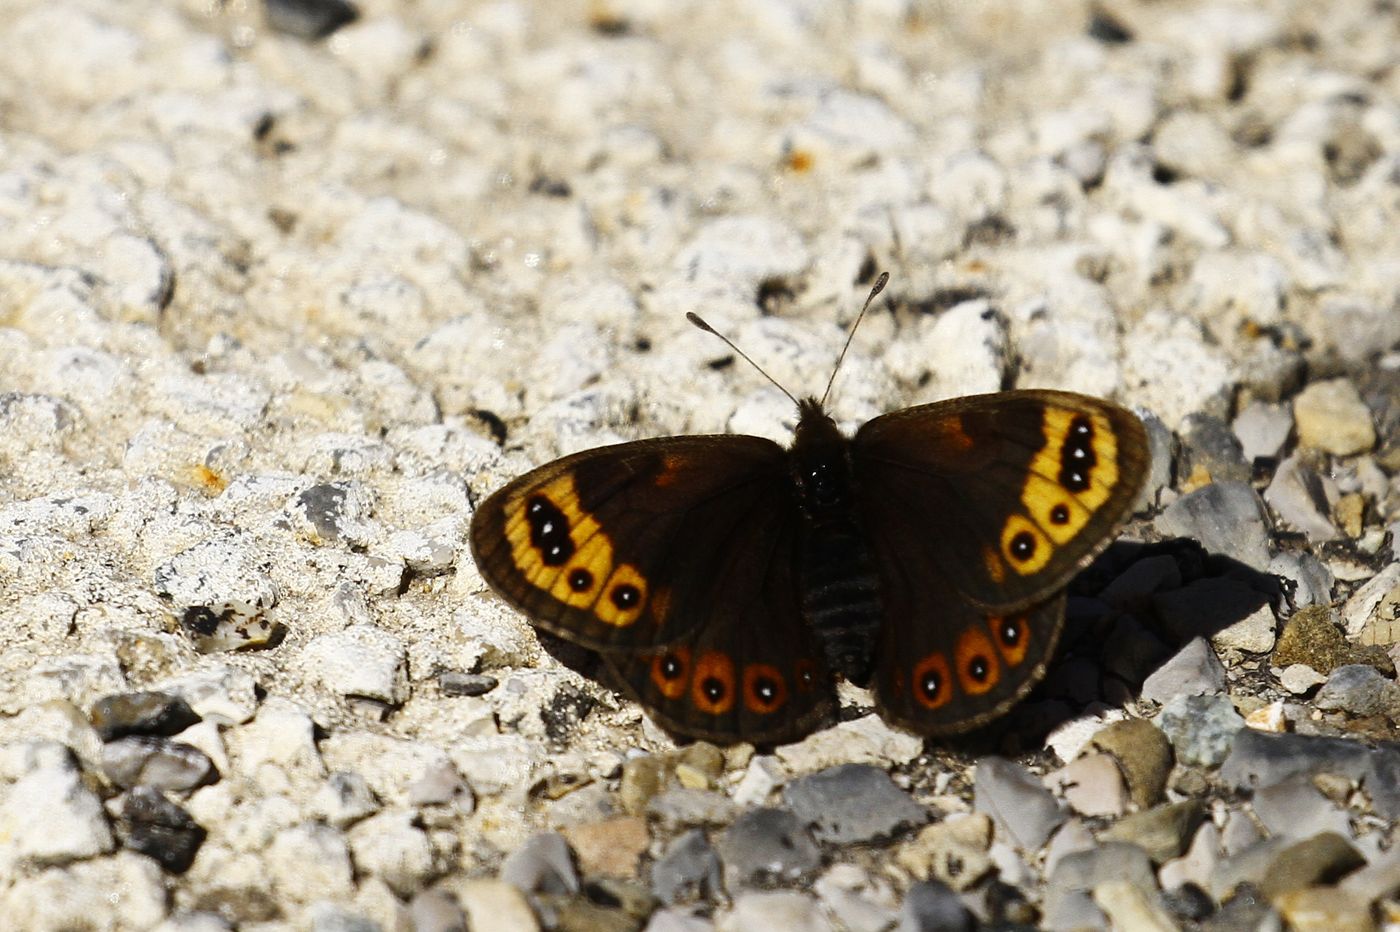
[979, 511]
[1007, 495]
[674, 558]
[754, 670]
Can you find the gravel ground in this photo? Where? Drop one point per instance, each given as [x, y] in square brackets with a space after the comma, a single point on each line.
[279, 301]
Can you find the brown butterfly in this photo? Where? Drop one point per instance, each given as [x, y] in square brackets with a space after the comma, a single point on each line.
[727, 580]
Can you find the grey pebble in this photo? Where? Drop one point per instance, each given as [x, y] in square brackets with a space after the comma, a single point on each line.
[328, 917]
[1226, 517]
[1195, 670]
[1360, 690]
[1296, 495]
[145, 713]
[345, 798]
[1263, 429]
[682, 807]
[852, 803]
[158, 828]
[1161, 445]
[543, 864]
[931, 906]
[455, 683]
[1019, 804]
[1296, 808]
[1076, 875]
[1202, 729]
[158, 762]
[1210, 446]
[309, 19]
[441, 784]
[689, 869]
[767, 846]
[436, 911]
[1262, 759]
[1312, 580]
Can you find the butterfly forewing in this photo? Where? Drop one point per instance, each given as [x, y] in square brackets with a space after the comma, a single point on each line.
[676, 559]
[1004, 496]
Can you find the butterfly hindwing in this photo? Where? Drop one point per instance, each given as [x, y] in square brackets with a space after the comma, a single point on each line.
[674, 558]
[754, 671]
[1006, 496]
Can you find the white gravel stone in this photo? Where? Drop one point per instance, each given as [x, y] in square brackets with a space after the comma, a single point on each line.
[310, 862]
[389, 846]
[362, 660]
[49, 816]
[124, 891]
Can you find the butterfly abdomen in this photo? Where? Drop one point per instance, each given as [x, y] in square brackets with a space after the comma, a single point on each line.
[842, 599]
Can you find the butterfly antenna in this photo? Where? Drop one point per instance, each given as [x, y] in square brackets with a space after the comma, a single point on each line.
[851, 334]
[699, 321]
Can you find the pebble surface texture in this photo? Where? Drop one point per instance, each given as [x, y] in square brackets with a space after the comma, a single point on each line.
[285, 290]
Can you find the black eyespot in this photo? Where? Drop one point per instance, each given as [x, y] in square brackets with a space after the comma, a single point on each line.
[1077, 457]
[549, 531]
[766, 689]
[580, 580]
[931, 684]
[625, 595]
[1023, 546]
[978, 668]
[1059, 514]
[713, 688]
[671, 667]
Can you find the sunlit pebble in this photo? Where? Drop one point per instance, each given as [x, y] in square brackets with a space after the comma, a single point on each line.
[1269, 718]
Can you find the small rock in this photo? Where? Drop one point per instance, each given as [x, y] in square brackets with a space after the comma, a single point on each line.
[953, 851]
[1295, 808]
[1195, 670]
[493, 904]
[49, 816]
[1144, 754]
[1226, 517]
[309, 19]
[440, 785]
[453, 683]
[361, 660]
[611, 847]
[642, 778]
[1196, 866]
[1260, 759]
[143, 713]
[1162, 831]
[1361, 607]
[682, 808]
[1209, 448]
[689, 869]
[1359, 690]
[1128, 907]
[762, 776]
[1323, 909]
[857, 901]
[761, 911]
[1263, 429]
[309, 862]
[543, 864]
[1092, 785]
[154, 826]
[167, 765]
[1268, 717]
[1296, 495]
[852, 803]
[345, 798]
[1275, 866]
[767, 846]
[1016, 801]
[1312, 580]
[435, 911]
[1201, 729]
[1077, 874]
[391, 847]
[865, 740]
[1300, 679]
[1332, 417]
[930, 906]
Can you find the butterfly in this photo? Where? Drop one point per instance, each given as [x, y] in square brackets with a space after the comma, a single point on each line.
[726, 581]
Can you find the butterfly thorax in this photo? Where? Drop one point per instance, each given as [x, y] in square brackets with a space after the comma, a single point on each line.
[841, 594]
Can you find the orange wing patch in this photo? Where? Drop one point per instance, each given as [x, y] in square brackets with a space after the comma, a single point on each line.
[562, 549]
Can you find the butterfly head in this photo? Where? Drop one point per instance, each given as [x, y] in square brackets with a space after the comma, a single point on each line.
[820, 459]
